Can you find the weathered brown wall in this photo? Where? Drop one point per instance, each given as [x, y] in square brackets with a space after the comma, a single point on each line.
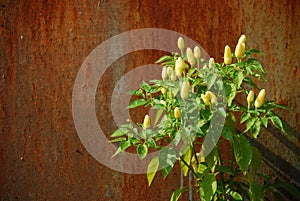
[43, 44]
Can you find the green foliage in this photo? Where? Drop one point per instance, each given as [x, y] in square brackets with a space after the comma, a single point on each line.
[152, 169]
[212, 94]
[208, 187]
[242, 152]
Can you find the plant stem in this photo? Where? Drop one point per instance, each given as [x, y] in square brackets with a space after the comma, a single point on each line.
[195, 154]
[190, 168]
[222, 173]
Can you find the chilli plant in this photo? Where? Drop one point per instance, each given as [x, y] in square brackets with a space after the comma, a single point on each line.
[201, 122]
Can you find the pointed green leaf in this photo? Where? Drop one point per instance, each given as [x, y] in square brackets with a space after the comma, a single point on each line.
[212, 159]
[166, 170]
[238, 79]
[136, 103]
[118, 139]
[158, 115]
[245, 117]
[264, 121]
[152, 169]
[211, 79]
[145, 86]
[119, 132]
[119, 150]
[151, 142]
[235, 195]
[255, 129]
[250, 123]
[227, 133]
[176, 194]
[230, 91]
[177, 138]
[142, 150]
[163, 58]
[242, 152]
[208, 187]
[277, 122]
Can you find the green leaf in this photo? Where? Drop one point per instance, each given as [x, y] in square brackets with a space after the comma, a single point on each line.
[177, 138]
[118, 139]
[176, 194]
[277, 122]
[212, 159]
[167, 157]
[264, 121]
[242, 152]
[235, 195]
[255, 65]
[145, 86]
[245, 117]
[163, 58]
[230, 91]
[158, 115]
[138, 92]
[256, 192]
[211, 78]
[250, 123]
[238, 78]
[152, 169]
[202, 169]
[123, 145]
[136, 103]
[208, 187]
[255, 129]
[166, 170]
[151, 142]
[256, 159]
[119, 132]
[142, 150]
[227, 133]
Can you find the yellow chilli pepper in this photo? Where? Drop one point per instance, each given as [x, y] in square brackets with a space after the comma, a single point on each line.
[185, 87]
[180, 43]
[146, 123]
[242, 39]
[190, 56]
[211, 63]
[169, 71]
[177, 113]
[163, 90]
[227, 55]
[240, 50]
[250, 98]
[179, 66]
[197, 52]
[164, 74]
[260, 98]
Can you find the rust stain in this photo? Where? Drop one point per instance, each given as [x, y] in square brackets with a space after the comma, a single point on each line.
[40, 69]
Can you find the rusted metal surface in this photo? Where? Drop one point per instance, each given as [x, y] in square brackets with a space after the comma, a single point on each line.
[43, 44]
